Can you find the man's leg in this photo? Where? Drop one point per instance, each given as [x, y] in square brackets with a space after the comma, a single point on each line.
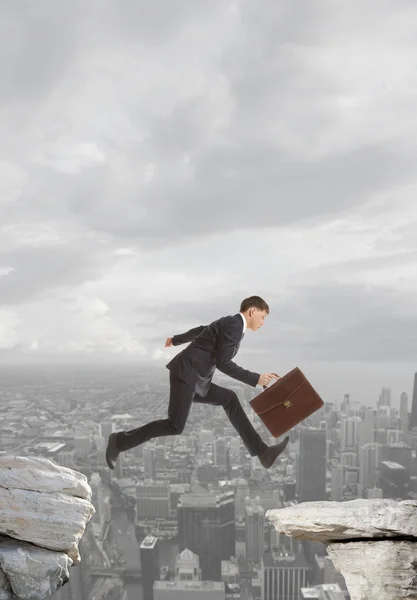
[180, 400]
[221, 396]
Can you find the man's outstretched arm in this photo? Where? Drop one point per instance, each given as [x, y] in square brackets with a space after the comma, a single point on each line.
[188, 336]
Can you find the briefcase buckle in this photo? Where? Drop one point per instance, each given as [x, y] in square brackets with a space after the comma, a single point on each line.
[287, 404]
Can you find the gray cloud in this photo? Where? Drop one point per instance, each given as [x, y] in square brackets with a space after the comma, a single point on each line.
[233, 169]
[339, 322]
[43, 269]
[37, 45]
[247, 186]
[158, 125]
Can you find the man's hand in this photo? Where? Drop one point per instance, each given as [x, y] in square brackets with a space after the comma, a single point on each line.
[168, 342]
[265, 378]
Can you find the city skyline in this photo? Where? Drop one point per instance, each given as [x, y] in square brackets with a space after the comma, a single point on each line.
[353, 452]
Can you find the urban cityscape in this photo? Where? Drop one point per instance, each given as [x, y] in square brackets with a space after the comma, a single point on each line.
[183, 517]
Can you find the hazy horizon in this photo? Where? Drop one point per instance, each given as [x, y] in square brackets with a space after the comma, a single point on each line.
[364, 389]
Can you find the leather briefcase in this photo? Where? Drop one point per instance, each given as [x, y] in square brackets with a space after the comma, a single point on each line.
[286, 402]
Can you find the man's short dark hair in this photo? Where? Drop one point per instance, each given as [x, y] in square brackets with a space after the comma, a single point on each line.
[255, 302]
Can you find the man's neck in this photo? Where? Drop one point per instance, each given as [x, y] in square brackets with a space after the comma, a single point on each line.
[245, 324]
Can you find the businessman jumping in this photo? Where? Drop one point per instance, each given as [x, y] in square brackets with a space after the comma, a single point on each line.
[191, 372]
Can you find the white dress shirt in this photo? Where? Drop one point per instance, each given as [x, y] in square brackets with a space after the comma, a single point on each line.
[244, 323]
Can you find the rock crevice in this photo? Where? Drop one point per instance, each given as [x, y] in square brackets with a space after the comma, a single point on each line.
[44, 509]
[372, 542]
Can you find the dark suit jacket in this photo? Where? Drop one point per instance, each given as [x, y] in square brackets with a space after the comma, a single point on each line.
[212, 347]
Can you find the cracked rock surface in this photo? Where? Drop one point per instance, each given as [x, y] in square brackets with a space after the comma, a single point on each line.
[44, 509]
[372, 542]
[361, 518]
[30, 572]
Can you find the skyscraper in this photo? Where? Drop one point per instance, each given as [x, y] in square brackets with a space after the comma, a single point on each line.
[404, 411]
[150, 565]
[255, 526]
[369, 457]
[349, 432]
[413, 417]
[220, 448]
[206, 526]
[385, 397]
[153, 500]
[283, 575]
[312, 472]
[149, 463]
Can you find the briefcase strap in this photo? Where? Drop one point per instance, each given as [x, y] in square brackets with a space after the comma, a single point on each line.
[284, 401]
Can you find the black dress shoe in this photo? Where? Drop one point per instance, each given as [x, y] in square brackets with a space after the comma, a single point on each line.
[112, 451]
[270, 454]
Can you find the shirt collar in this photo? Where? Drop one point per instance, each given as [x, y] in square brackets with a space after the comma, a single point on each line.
[244, 322]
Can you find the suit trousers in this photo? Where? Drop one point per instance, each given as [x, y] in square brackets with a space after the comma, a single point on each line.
[180, 399]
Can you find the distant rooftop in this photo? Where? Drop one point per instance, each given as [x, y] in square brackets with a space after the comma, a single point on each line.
[149, 542]
[284, 560]
[51, 447]
[206, 500]
[188, 585]
[392, 465]
[125, 416]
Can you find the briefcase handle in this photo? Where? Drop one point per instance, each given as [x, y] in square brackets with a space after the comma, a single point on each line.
[265, 386]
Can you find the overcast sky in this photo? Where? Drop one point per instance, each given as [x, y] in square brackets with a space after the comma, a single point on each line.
[161, 161]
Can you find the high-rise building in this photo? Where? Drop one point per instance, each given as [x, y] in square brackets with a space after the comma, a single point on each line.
[149, 463]
[283, 575]
[394, 480]
[349, 433]
[365, 432]
[345, 406]
[255, 530]
[241, 491]
[149, 561]
[385, 397]
[206, 526]
[369, 458]
[100, 503]
[106, 428]
[82, 445]
[398, 452]
[413, 416]
[337, 483]
[312, 465]
[349, 459]
[66, 458]
[394, 436]
[404, 411]
[220, 452]
[289, 488]
[176, 490]
[153, 500]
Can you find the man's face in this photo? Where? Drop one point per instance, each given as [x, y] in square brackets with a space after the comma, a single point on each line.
[258, 318]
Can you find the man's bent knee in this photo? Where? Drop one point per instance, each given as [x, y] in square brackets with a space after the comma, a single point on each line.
[175, 428]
